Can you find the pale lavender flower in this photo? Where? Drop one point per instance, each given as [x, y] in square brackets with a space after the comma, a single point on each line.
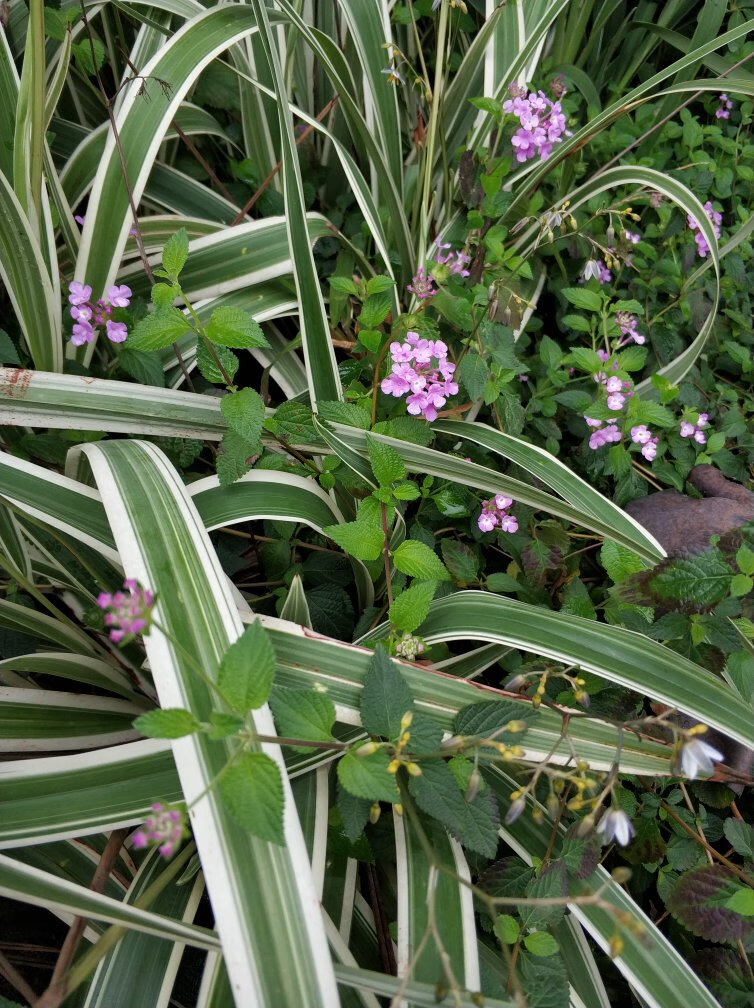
[603, 436]
[119, 296]
[79, 220]
[128, 614]
[649, 450]
[164, 829]
[628, 326]
[695, 431]
[616, 401]
[542, 122]
[81, 333]
[716, 219]
[631, 237]
[425, 385]
[723, 110]
[616, 825]
[116, 331]
[605, 276]
[640, 434]
[78, 293]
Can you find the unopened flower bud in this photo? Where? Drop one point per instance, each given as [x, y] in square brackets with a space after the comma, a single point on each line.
[374, 812]
[394, 766]
[367, 749]
[553, 806]
[398, 808]
[537, 814]
[611, 235]
[515, 810]
[616, 946]
[586, 825]
[473, 786]
[414, 769]
[516, 684]
[406, 720]
[621, 875]
[516, 726]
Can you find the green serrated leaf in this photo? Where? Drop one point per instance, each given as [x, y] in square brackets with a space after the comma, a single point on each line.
[208, 366]
[475, 823]
[375, 310]
[419, 561]
[234, 327]
[145, 368]
[385, 697]
[163, 295]
[158, 330]
[302, 714]
[378, 284]
[354, 813]
[357, 538]
[507, 929]
[253, 793]
[541, 943]
[740, 835]
[233, 457]
[8, 352]
[502, 583]
[223, 725]
[473, 374]
[368, 777]
[344, 285]
[491, 717]
[406, 490]
[742, 902]
[247, 669]
[175, 253]
[410, 608]
[168, 723]
[244, 411]
[345, 413]
[579, 297]
[387, 465]
[461, 560]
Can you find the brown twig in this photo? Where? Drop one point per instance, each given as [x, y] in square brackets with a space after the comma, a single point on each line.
[56, 990]
[266, 182]
[11, 974]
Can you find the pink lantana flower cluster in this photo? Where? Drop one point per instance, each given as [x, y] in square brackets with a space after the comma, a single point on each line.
[456, 262]
[164, 829]
[542, 122]
[421, 285]
[695, 431]
[642, 435]
[87, 316]
[723, 109]
[602, 435]
[627, 324]
[495, 513]
[127, 614]
[716, 219]
[422, 372]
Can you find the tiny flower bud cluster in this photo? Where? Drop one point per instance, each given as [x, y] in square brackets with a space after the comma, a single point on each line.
[409, 647]
[165, 830]
[695, 431]
[86, 315]
[723, 109]
[701, 241]
[456, 262]
[421, 285]
[495, 512]
[127, 614]
[425, 385]
[542, 122]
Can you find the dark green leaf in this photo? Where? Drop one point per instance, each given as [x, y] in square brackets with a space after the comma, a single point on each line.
[247, 669]
[253, 794]
[158, 330]
[244, 411]
[368, 777]
[385, 697]
[302, 714]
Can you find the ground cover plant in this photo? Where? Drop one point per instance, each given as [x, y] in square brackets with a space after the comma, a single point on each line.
[340, 341]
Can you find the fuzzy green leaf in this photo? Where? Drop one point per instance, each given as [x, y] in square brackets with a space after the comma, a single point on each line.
[385, 697]
[247, 669]
[368, 777]
[168, 723]
[387, 465]
[175, 253]
[302, 714]
[410, 608]
[475, 823]
[158, 330]
[233, 457]
[357, 539]
[419, 561]
[244, 411]
[234, 327]
[253, 794]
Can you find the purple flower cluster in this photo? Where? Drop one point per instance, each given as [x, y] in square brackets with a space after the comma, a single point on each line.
[542, 122]
[164, 829]
[723, 109]
[128, 614]
[642, 435]
[425, 384]
[495, 512]
[631, 237]
[602, 435]
[701, 241]
[87, 316]
[421, 284]
[627, 324]
[695, 431]
[456, 262]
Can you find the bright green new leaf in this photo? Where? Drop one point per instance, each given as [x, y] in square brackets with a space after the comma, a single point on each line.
[742, 902]
[507, 929]
[158, 330]
[302, 714]
[410, 608]
[368, 777]
[253, 794]
[247, 669]
[419, 561]
[233, 458]
[541, 943]
[385, 697]
[580, 298]
[234, 327]
[357, 539]
[175, 253]
[387, 465]
[244, 411]
[169, 723]
[475, 823]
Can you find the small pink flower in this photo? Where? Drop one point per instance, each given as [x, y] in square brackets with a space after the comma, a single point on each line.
[79, 294]
[164, 829]
[687, 429]
[503, 503]
[116, 331]
[640, 434]
[128, 614]
[81, 313]
[81, 333]
[649, 450]
[119, 296]
[616, 401]
[614, 384]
